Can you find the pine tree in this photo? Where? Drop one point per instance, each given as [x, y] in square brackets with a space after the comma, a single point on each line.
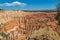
[44, 34]
[58, 12]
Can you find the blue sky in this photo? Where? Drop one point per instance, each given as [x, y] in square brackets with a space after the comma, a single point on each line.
[28, 4]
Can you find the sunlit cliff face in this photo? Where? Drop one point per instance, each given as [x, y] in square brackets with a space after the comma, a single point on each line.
[24, 23]
[31, 20]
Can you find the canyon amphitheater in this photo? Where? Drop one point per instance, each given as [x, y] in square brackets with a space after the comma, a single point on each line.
[21, 25]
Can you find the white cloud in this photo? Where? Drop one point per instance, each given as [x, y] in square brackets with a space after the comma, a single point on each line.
[13, 4]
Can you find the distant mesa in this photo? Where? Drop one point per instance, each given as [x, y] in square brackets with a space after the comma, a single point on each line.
[1, 9]
[39, 10]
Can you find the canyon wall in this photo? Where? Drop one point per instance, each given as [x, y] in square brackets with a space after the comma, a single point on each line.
[24, 23]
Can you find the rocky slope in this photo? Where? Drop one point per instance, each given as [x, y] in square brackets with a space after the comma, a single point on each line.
[22, 23]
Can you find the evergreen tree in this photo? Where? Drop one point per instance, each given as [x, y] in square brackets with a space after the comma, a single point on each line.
[44, 34]
[58, 12]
